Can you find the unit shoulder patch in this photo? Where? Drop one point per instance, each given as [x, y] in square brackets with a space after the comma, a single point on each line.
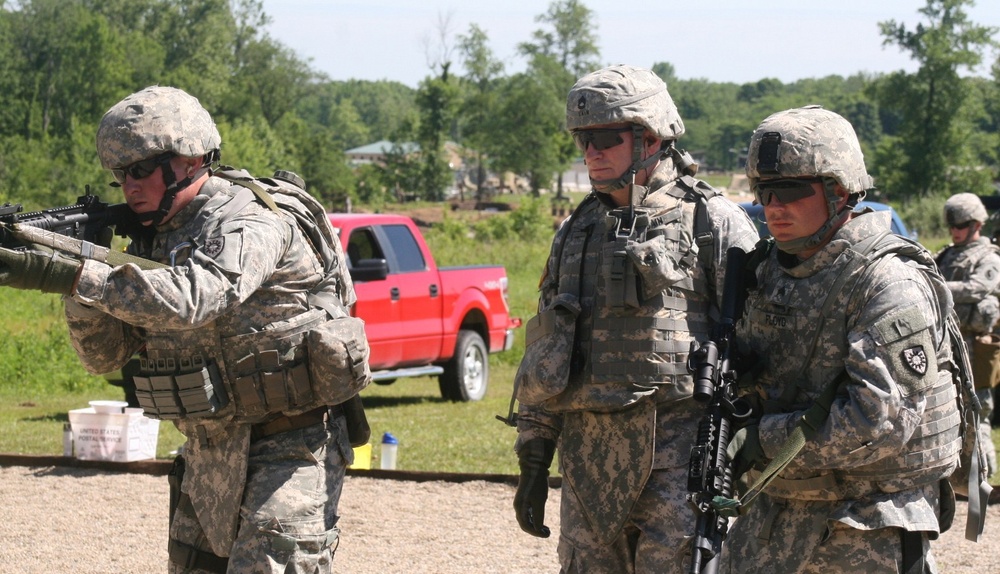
[213, 247]
[915, 359]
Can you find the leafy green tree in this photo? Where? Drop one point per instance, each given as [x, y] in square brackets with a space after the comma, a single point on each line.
[269, 76]
[560, 53]
[64, 61]
[386, 109]
[399, 172]
[347, 128]
[755, 91]
[666, 72]
[320, 161]
[480, 102]
[570, 39]
[933, 152]
[437, 99]
[527, 129]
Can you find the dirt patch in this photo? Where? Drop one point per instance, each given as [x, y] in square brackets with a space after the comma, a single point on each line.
[62, 519]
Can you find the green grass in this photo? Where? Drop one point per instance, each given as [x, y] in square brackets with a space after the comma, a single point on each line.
[434, 434]
[34, 425]
[441, 436]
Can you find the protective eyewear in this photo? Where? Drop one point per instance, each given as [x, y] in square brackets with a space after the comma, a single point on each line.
[140, 169]
[786, 190]
[964, 225]
[600, 138]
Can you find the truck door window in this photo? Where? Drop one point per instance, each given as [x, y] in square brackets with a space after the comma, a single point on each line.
[408, 254]
[362, 245]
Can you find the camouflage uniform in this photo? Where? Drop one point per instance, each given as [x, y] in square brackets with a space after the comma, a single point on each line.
[972, 271]
[874, 468]
[268, 501]
[626, 420]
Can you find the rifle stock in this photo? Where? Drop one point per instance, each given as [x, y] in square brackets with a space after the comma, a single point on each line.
[709, 471]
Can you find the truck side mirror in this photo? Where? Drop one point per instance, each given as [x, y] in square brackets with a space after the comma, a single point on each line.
[370, 270]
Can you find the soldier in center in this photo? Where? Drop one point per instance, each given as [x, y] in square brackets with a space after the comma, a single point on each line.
[632, 280]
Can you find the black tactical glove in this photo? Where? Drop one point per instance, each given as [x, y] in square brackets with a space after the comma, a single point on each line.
[744, 450]
[534, 458]
[40, 268]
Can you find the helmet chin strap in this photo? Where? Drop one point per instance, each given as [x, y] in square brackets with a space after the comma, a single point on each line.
[627, 177]
[173, 186]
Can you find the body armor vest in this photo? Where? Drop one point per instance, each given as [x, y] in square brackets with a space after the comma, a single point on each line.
[805, 338]
[645, 296]
[957, 264]
[249, 363]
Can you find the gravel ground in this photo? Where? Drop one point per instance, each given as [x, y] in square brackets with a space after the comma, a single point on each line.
[63, 519]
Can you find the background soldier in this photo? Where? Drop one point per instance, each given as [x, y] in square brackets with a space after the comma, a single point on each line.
[264, 472]
[630, 283]
[841, 305]
[971, 266]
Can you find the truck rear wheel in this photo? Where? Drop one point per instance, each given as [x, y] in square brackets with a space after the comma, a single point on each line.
[468, 372]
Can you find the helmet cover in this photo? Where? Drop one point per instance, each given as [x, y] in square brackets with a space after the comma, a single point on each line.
[153, 121]
[964, 207]
[808, 142]
[623, 94]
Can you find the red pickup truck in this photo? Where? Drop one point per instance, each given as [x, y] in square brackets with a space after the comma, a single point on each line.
[421, 319]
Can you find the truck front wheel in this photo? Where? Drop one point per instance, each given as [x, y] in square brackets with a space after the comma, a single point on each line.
[467, 373]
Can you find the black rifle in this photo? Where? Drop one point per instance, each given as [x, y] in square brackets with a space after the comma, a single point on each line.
[709, 473]
[89, 219]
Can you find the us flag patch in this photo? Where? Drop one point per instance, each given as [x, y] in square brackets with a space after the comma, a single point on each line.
[915, 359]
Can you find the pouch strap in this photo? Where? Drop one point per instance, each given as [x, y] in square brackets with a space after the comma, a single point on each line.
[192, 558]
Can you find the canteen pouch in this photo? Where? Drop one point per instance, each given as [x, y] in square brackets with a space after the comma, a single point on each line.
[358, 430]
[338, 359]
[986, 361]
[549, 351]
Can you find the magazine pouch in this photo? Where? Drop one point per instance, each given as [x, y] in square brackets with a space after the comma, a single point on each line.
[548, 353]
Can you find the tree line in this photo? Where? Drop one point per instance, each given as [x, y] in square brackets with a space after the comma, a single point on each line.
[63, 63]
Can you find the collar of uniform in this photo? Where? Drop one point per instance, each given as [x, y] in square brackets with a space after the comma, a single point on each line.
[977, 243]
[210, 188]
[860, 227]
[665, 172]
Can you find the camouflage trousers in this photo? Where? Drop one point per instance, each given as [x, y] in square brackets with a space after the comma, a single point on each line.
[653, 539]
[986, 427]
[797, 537]
[289, 512]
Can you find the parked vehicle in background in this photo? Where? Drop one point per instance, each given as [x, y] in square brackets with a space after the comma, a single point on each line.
[421, 319]
[756, 213]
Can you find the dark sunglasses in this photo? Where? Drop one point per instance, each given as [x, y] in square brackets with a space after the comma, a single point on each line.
[786, 190]
[600, 138]
[965, 225]
[141, 169]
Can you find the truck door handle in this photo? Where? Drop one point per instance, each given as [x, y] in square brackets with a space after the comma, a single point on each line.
[394, 293]
[433, 289]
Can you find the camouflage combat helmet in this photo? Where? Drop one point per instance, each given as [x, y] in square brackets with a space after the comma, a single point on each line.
[158, 123]
[152, 122]
[625, 95]
[809, 142]
[964, 207]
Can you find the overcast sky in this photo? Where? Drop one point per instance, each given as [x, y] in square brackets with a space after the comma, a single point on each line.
[720, 40]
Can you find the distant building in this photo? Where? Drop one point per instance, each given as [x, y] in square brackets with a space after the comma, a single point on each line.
[576, 178]
[376, 153]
